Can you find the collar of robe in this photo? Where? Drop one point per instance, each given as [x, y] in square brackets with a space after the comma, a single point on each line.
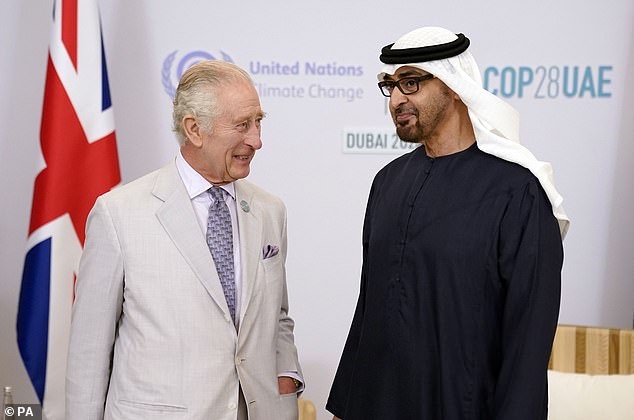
[422, 54]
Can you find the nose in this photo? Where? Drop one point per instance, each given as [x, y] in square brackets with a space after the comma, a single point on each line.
[253, 137]
[397, 98]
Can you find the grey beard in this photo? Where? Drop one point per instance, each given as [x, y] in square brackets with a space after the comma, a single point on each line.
[410, 136]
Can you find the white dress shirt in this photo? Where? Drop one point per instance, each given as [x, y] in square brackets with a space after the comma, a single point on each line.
[197, 187]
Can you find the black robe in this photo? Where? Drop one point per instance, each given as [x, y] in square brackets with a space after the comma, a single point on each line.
[459, 294]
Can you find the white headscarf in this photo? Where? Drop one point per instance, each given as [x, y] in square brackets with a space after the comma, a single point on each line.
[495, 122]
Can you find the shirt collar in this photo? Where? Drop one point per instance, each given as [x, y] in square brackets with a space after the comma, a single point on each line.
[195, 183]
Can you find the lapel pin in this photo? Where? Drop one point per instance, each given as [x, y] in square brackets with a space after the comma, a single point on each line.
[245, 206]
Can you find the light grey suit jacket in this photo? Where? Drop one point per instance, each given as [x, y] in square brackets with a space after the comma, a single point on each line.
[151, 335]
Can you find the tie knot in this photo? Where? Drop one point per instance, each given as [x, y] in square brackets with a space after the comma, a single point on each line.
[218, 194]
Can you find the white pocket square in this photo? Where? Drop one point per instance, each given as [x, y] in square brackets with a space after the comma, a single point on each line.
[270, 251]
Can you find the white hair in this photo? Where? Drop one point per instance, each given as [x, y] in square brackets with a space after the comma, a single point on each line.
[197, 96]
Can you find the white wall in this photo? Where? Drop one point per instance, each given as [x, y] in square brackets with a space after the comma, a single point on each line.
[588, 140]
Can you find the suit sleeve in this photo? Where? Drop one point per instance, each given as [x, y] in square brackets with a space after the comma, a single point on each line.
[337, 400]
[96, 311]
[530, 262]
[287, 359]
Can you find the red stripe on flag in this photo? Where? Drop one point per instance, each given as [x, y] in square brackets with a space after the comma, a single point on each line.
[69, 29]
[76, 172]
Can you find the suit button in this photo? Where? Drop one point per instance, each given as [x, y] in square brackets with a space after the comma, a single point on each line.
[232, 406]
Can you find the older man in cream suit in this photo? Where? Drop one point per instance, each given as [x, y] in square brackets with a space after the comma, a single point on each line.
[181, 307]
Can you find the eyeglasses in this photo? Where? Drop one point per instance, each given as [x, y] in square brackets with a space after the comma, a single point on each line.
[407, 85]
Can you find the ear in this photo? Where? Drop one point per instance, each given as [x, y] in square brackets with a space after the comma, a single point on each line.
[192, 130]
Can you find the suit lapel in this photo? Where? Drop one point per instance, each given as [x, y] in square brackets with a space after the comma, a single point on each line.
[250, 227]
[177, 217]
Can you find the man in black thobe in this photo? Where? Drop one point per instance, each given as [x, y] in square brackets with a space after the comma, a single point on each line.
[462, 254]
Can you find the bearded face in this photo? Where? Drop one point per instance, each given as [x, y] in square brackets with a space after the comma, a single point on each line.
[416, 123]
[418, 115]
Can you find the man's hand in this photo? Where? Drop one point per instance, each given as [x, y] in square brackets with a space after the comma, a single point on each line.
[286, 385]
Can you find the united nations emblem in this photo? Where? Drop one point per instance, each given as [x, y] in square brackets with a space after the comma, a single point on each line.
[186, 62]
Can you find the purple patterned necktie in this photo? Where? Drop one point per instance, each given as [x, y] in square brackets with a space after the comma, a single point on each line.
[220, 242]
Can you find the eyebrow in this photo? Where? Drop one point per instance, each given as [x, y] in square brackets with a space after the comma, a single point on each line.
[243, 117]
[408, 73]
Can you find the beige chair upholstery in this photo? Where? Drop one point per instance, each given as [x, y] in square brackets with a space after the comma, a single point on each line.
[593, 350]
[591, 374]
[306, 410]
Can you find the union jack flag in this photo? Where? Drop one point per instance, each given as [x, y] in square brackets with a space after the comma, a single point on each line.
[80, 162]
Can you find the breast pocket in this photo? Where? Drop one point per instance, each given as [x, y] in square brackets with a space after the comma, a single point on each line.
[273, 269]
